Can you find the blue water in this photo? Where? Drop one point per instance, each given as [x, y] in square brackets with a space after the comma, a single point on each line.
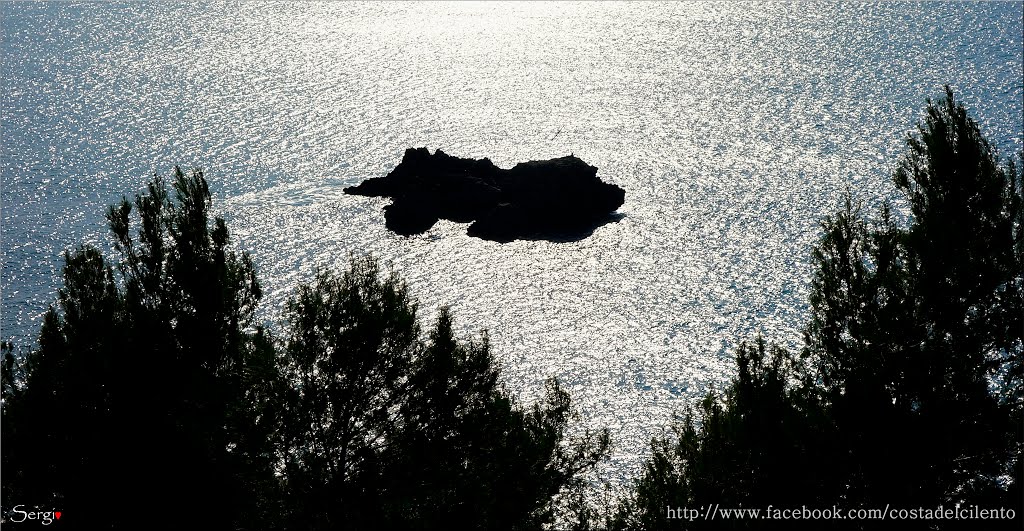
[734, 128]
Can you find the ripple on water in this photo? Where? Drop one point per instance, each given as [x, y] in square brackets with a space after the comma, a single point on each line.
[734, 129]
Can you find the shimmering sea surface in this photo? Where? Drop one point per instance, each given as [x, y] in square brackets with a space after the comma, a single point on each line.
[733, 127]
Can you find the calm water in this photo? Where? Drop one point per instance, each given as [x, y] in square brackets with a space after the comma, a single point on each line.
[734, 129]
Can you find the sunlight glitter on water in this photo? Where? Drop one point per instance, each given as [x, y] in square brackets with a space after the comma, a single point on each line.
[734, 129]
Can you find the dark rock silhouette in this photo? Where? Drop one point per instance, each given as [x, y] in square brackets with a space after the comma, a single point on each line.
[555, 199]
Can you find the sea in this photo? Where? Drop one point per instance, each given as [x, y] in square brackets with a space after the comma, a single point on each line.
[735, 128]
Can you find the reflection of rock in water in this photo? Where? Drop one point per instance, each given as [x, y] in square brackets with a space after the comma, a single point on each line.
[557, 199]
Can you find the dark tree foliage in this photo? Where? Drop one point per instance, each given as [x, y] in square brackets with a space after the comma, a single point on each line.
[761, 444]
[387, 429]
[908, 323]
[858, 344]
[350, 342]
[141, 406]
[908, 391]
[155, 401]
[467, 453]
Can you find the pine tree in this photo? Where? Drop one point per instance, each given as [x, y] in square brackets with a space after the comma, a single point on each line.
[760, 444]
[907, 323]
[907, 392]
[149, 379]
[349, 344]
[388, 429]
[468, 453]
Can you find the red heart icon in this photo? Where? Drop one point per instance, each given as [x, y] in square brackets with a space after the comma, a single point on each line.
[56, 514]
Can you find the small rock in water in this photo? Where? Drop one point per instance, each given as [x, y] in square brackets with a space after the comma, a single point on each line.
[557, 199]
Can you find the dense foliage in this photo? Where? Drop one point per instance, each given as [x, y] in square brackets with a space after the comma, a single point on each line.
[907, 393]
[386, 429]
[154, 399]
[149, 380]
